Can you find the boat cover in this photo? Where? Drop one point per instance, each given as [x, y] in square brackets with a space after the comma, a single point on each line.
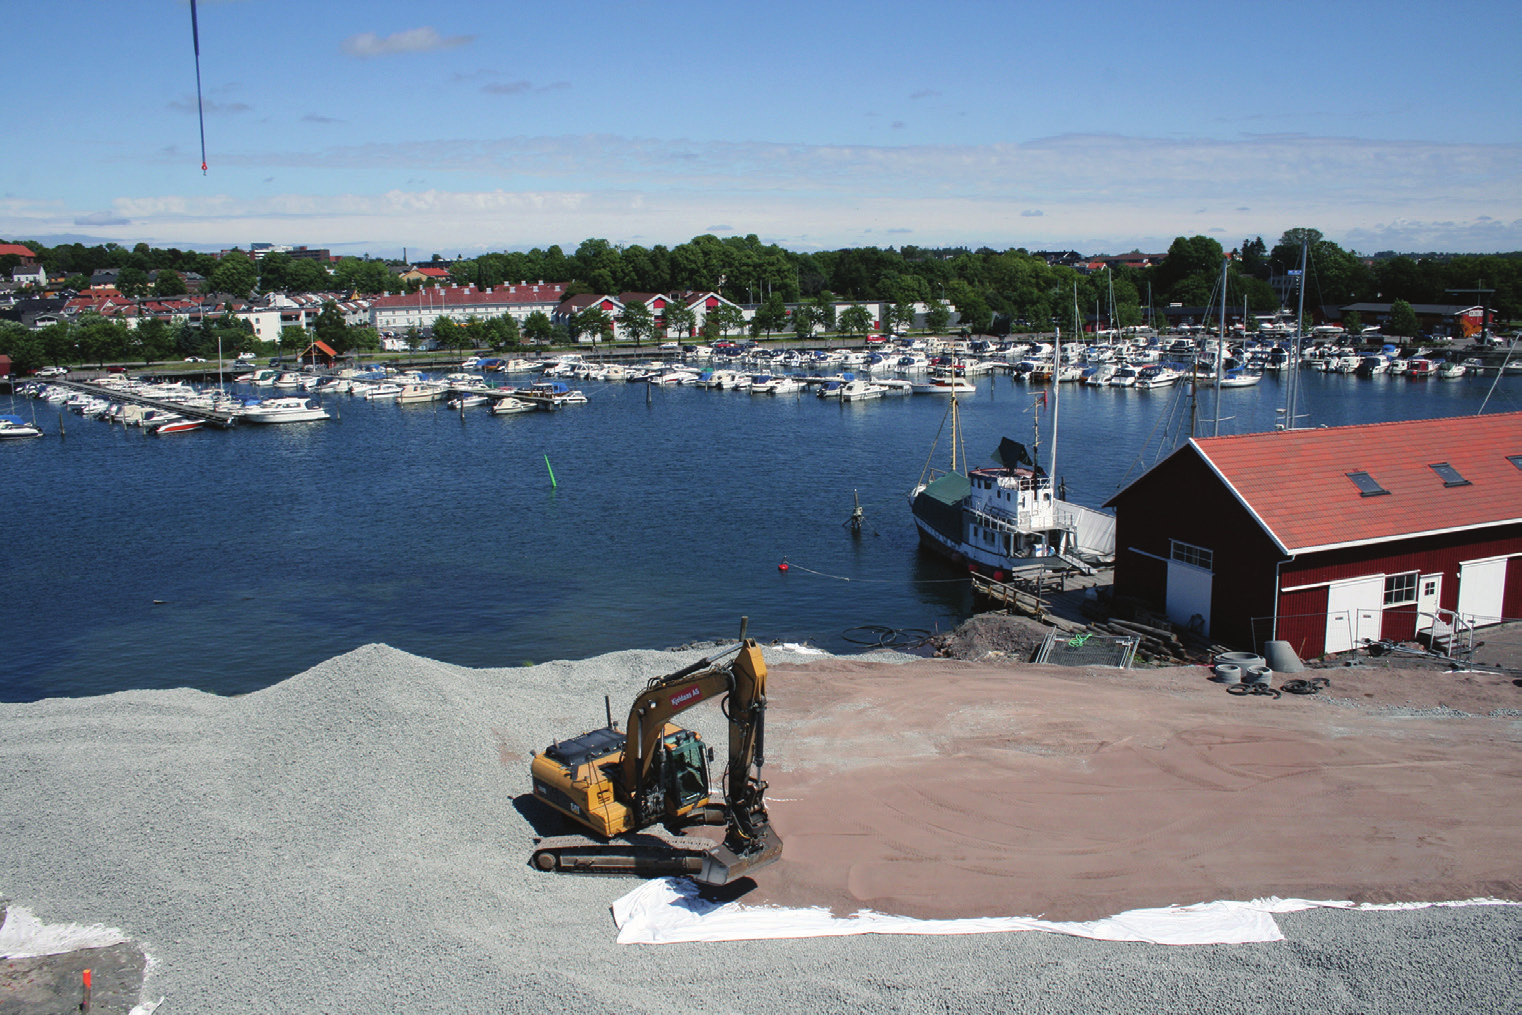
[1012, 455]
[939, 505]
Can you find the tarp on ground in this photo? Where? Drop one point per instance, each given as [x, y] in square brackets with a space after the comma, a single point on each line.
[673, 911]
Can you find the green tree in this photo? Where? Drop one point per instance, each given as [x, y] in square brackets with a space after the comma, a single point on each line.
[150, 341]
[99, 339]
[680, 320]
[771, 316]
[22, 346]
[937, 317]
[728, 318]
[132, 282]
[1402, 320]
[447, 332]
[1352, 323]
[637, 321]
[537, 327]
[235, 275]
[824, 311]
[292, 339]
[594, 321]
[361, 336]
[502, 332]
[805, 318]
[331, 329]
[168, 283]
[308, 276]
[856, 320]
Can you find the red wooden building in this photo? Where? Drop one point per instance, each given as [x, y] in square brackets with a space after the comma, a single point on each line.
[1330, 538]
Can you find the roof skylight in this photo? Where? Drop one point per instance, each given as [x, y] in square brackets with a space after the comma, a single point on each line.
[1448, 474]
[1367, 485]
[1515, 460]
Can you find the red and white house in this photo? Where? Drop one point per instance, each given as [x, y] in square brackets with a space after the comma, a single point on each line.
[1330, 538]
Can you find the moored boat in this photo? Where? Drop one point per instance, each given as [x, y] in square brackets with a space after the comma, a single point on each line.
[14, 426]
[283, 410]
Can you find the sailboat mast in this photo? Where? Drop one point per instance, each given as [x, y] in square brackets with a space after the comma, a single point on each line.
[1294, 366]
[1220, 349]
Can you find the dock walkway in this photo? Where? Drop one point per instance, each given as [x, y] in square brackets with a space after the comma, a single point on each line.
[223, 419]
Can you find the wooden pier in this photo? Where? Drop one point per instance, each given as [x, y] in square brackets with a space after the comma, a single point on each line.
[222, 419]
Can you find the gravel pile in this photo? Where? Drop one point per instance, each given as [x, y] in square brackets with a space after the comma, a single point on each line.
[351, 840]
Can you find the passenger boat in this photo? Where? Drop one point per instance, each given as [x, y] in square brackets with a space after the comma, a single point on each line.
[1005, 517]
[283, 410]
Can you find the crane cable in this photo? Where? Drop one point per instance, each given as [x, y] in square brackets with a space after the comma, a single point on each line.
[195, 38]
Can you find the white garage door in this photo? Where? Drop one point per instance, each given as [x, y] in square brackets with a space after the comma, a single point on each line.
[1189, 596]
[1354, 612]
[1482, 585]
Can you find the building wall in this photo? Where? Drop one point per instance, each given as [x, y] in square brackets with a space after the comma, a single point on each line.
[1308, 577]
[1182, 500]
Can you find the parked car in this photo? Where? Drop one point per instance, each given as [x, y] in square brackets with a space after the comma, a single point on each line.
[116, 370]
[195, 359]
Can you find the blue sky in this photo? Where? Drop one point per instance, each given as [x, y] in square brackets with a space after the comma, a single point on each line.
[458, 128]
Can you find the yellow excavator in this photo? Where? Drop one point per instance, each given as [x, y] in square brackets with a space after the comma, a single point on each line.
[619, 785]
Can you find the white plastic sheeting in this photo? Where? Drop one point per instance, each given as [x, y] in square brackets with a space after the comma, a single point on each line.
[671, 911]
[23, 936]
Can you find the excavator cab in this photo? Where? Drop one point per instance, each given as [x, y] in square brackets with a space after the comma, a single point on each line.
[683, 774]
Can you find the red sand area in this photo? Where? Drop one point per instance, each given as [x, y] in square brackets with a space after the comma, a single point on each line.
[952, 789]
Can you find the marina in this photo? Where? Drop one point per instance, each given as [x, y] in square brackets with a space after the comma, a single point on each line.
[228, 559]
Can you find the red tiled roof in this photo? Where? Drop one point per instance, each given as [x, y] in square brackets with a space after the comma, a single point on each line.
[17, 249]
[468, 296]
[1296, 482]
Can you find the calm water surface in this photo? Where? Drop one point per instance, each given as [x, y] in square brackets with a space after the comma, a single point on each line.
[230, 560]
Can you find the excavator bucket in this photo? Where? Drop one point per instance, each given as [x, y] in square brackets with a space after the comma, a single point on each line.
[722, 865]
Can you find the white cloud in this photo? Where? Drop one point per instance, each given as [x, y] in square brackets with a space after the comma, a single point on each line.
[1092, 193]
[413, 40]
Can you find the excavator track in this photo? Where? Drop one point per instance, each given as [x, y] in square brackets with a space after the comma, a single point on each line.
[647, 854]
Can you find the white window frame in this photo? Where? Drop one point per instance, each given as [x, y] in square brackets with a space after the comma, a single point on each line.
[1405, 586]
[1194, 556]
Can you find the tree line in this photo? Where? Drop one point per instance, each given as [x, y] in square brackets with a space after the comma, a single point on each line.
[989, 291]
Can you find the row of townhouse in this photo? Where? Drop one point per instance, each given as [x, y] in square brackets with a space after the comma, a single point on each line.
[398, 314]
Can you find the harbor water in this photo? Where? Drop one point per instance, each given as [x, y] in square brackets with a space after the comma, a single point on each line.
[647, 518]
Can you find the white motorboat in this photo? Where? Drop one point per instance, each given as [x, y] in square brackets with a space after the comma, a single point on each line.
[861, 391]
[511, 406]
[15, 426]
[421, 393]
[283, 410]
[381, 391]
[944, 384]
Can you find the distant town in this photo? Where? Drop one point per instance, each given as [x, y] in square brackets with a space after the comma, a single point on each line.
[76, 303]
